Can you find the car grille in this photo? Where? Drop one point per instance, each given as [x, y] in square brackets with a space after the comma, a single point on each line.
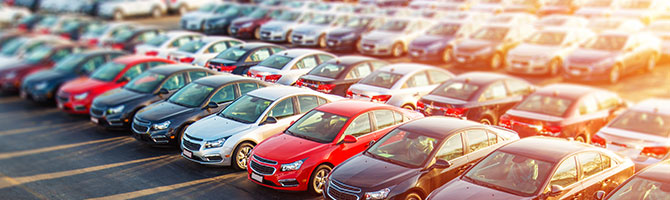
[344, 187]
[97, 111]
[190, 145]
[64, 97]
[339, 191]
[263, 160]
[193, 138]
[261, 169]
[141, 126]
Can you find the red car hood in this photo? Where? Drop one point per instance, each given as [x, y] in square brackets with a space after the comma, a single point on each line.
[82, 84]
[285, 148]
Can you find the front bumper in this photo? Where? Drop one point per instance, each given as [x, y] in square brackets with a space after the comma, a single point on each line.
[375, 49]
[69, 105]
[585, 74]
[473, 60]
[115, 121]
[423, 54]
[273, 36]
[11, 85]
[37, 95]
[220, 156]
[241, 32]
[304, 40]
[341, 44]
[278, 180]
[143, 132]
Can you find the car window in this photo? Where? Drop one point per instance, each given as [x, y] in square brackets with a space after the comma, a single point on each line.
[607, 101]
[384, 118]
[92, 64]
[180, 41]
[260, 55]
[452, 148]
[217, 48]
[590, 163]
[397, 117]
[225, 94]
[494, 91]
[359, 126]
[418, 80]
[493, 138]
[588, 105]
[437, 77]
[247, 87]
[308, 62]
[324, 58]
[359, 71]
[276, 49]
[135, 70]
[283, 109]
[477, 139]
[233, 43]
[517, 87]
[154, 64]
[175, 82]
[376, 65]
[307, 103]
[566, 173]
[606, 161]
[195, 75]
[60, 54]
[146, 36]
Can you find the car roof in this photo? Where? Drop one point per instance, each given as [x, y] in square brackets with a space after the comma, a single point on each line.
[134, 57]
[94, 52]
[350, 108]
[178, 33]
[553, 149]
[299, 52]
[617, 33]
[661, 106]
[659, 172]
[348, 60]
[219, 80]
[567, 90]
[172, 68]
[560, 29]
[438, 126]
[406, 68]
[279, 91]
[482, 78]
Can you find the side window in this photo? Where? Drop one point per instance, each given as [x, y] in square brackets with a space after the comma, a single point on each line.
[260, 55]
[384, 118]
[397, 117]
[247, 87]
[452, 148]
[195, 75]
[517, 87]
[566, 174]
[225, 94]
[359, 126]
[92, 64]
[146, 36]
[590, 162]
[307, 103]
[376, 65]
[180, 41]
[135, 70]
[417, 80]
[308, 62]
[282, 109]
[437, 77]
[606, 161]
[359, 71]
[217, 48]
[493, 138]
[324, 58]
[322, 101]
[175, 82]
[60, 54]
[495, 91]
[276, 49]
[477, 139]
[232, 43]
[155, 64]
[588, 105]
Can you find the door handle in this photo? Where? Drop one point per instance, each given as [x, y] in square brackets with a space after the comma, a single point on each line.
[416, 94]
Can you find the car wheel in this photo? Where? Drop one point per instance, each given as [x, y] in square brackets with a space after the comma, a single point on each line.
[118, 15]
[615, 74]
[322, 41]
[289, 38]
[447, 55]
[241, 155]
[554, 67]
[318, 179]
[257, 33]
[183, 9]
[156, 12]
[408, 107]
[651, 63]
[486, 121]
[496, 61]
[397, 50]
[413, 196]
[582, 139]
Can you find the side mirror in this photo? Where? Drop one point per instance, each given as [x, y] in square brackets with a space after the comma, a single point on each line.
[555, 190]
[269, 120]
[599, 195]
[349, 139]
[372, 142]
[163, 91]
[212, 105]
[441, 164]
[123, 80]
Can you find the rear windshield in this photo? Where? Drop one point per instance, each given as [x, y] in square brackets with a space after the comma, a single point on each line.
[232, 54]
[192, 46]
[381, 79]
[456, 90]
[328, 70]
[158, 41]
[548, 105]
[276, 61]
[643, 122]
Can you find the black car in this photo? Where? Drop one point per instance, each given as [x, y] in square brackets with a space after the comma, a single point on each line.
[162, 123]
[219, 23]
[43, 85]
[128, 39]
[414, 159]
[346, 38]
[238, 59]
[477, 96]
[116, 108]
[337, 75]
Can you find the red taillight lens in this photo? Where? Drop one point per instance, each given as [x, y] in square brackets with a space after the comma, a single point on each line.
[551, 130]
[272, 78]
[455, 112]
[299, 82]
[655, 152]
[186, 60]
[381, 98]
[65, 35]
[505, 121]
[349, 94]
[599, 141]
[93, 42]
[23, 27]
[326, 88]
[151, 53]
[117, 46]
[420, 105]
[228, 69]
[249, 73]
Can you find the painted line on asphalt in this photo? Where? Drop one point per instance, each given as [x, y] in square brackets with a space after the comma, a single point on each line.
[156, 190]
[55, 148]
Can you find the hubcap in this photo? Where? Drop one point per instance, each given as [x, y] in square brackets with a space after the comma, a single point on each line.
[447, 55]
[397, 50]
[320, 180]
[495, 61]
[257, 33]
[580, 139]
[614, 75]
[243, 157]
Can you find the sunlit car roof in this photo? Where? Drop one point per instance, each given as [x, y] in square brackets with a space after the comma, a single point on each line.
[405, 68]
[571, 91]
[350, 108]
[438, 127]
[277, 92]
[481, 78]
[661, 106]
[658, 172]
[552, 149]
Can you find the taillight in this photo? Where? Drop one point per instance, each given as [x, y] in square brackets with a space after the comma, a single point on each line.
[655, 152]
[381, 98]
[65, 35]
[420, 105]
[599, 141]
[455, 112]
[151, 53]
[551, 130]
[272, 78]
[326, 88]
[228, 69]
[186, 60]
[93, 42]
[117, 46]
[505, 121]
[23, 27]
[298, 82]
[349, 94]
[248, 73]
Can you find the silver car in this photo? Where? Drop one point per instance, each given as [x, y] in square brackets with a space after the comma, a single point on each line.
[598, 8]
[163, 44]
[287, 66]
[227, 138]
[120, 9]
[661, 29]
[313, 32]
[280, 29]
[561, 21]
[393, 37]
[400, 85]
[198, 52]
[103, 34]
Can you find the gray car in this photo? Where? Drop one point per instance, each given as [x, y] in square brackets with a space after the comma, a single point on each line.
[279, 30]
[393, 37]
[313, 32]
[287, 66]
[195, 21]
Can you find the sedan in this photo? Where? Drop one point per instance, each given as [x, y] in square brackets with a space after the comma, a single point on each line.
[281, 28]
[127, 39]
[392, 38]
[437, 43]
[195, 21]
[287, 66]
[567, 21]
[563, 110]
[218, 23]
[337, 75]
[414, 159]
[118, 10]
[228, 137]
[101, 34]
[489, 45]
[651, 183]
[238, 59]
[661, 29]
[539, 168]
[476, 96]
[348, 36]
[644, 10]
[565, 7]
[163, 44]
[301, 157]
[198, 52]
[250, 26]
[314, 31]
[399, 84]
[512, 19]
[164, 122]
[116, 108]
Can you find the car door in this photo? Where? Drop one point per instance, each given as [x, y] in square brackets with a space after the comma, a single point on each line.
[174, 83]
[355, 74]
[224, 96]
[491, 102]
[592, 176]
[416, 86]
[360, 127]
[452, 150]
[285, 110]
[566, 176]
[300, 68]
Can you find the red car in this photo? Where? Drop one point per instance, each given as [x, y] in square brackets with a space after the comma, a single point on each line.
[39, 59]
[75, 96]
[303, 155]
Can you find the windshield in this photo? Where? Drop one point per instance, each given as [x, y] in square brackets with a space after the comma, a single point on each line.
[108, 71]
[192, 95]
[12, 47]
[548, 105]
[546, 38]
[318, 126]
[447, 29]
[381, 79]
[491, 33]
[321, 19]
[644, 122]
[598, 3]
[288, 16]
[637, 5]
[233, 10]
[456, 90]
[607, 43]
[192, 46]
[511, 173]
[158, 40]
[68, 64]
[275, 61]
[328, 70]
[357, 22]
[394, 26]
[404, 148]
[246, 109]
[258, 13]
[642, 188]
[232, 54]
[604, 24]
[38, 55]
[145, 82]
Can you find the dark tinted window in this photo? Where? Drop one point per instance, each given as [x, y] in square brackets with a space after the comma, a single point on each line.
[224, 95]
[247, 87]
[566, 174]
[175, 82]
[195, 75]
[135, 70]
[92, 64]
[283, 109]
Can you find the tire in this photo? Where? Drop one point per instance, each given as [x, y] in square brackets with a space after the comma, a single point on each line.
[183, 9]
[583, 139]
[651, 63]
[241, 155]
[156, 12]
[413, 196]
[118, 15]
[496, 61]
[615, 74]
[322, 41]
[180, 137]
[408, 107]
[397, 50]
[447, 55]
[554, 67]
[319, 174]
[289, 38]
[257, 33]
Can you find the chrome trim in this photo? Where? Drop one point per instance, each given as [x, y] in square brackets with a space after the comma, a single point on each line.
[344, 189]
[252, 169]
[331, 196]
[259, 159]
[287, 180]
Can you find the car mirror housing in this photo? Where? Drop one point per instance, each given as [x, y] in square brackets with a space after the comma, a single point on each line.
[441, 164]
[163, 91]
[212, 105]
[269, 120]
[599, 195]
[555, 190]
[349, 139]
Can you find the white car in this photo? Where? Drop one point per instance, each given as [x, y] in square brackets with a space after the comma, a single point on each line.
[314, 31]
[9, 15]
[228, 137]
[195, 21]
[183, 6]
[280, 29]
[393, 37]
[561, 21]
[198, 52]
[644, 10]
[287, 66]
[120, 9]
[598, 8]
[15, 49]
[400, 85]
[163, 44]
[104, 33]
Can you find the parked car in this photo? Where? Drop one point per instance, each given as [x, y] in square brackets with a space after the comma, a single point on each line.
[348, 36]
[127, 39]
[198, 52]
[602, 24]
[455, 5]
[469, 15]
[195, 20]
[100, 34]
[280, 28]
[647, 184]
[164, 122]
[9, 15]
[165, 43]
[238, 59]
[31, 5]
[661, 29]
[611, 55]
[183, 6]
[313, 32]
[119, 10]
[13, 50]
[392, 38]
[250, 25]
[552, 7]
[400, 84]
[219, 22]
[639, 133]
[540, 168]
[246, 122]
[50, 23]
[414, 159]
[644, 10]
[567, 21]
[544, 52]
[489, 6]
[76, 96]
[287, 66]
[437, 43]
[40, 59]
[478, 96]
[43, 85]
[564, 110]
[116, 108]
[489, 45]
[73, 30]
[301, 157]
[598, 8]
[337, 75]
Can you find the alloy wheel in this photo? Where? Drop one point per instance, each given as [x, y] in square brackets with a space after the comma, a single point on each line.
[446, 57]
[496, 61]
[242, 157]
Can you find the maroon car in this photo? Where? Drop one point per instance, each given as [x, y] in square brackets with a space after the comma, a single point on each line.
[250, 26]
[564, 110]
[540, 168]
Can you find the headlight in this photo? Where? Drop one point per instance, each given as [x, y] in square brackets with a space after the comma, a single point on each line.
[247, 25]
[41, 86]
[81, 96]
[115, 110]
[10, 75]
[215, 143]
[292, 166]
[381, 194]
[161, 126]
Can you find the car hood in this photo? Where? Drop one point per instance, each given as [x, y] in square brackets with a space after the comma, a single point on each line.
[163, 110]
[444, 100]
[317, 78]
[472, 45]
[277, 25]
[339, 32]
[589, 56]
[531, 50]
[197, 16]
[120, 96]
[214, 127]
[459, 189]
[82, 85]
[428, 40]
[369, 173]
[46, 75]
[307, 28]
[285, 148]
